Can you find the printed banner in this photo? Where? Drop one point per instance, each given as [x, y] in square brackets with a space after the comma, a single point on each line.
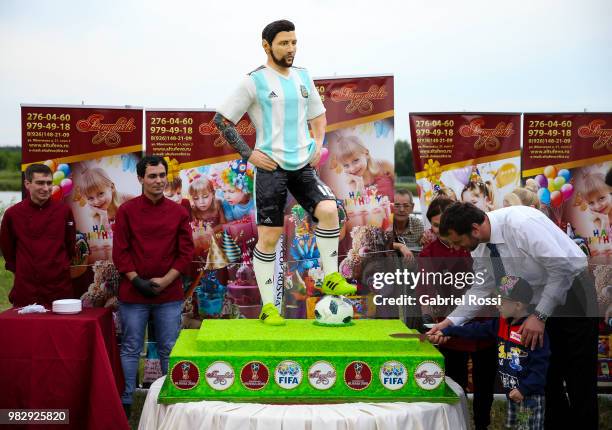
[569, 156]
[206, 176]
[566, 158]
[92, 152]
[466, 157]
[357, 165]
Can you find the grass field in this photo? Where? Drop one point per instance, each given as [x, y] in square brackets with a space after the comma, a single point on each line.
[6, 283]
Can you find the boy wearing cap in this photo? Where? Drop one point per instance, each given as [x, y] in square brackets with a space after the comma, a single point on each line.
[521, 369]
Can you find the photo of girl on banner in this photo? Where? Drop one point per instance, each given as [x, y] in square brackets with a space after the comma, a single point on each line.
[484, 184]
[219, 198]
[100, 186]
[358, 167]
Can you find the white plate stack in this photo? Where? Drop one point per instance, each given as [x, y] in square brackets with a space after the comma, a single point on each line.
[67, 306]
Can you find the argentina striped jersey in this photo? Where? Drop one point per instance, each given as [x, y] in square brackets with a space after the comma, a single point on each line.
[280, 108]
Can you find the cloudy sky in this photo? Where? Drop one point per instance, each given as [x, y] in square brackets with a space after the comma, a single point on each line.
[446, 55]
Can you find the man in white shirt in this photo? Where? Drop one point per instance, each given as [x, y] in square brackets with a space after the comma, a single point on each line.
[282, 100]
[522, 241]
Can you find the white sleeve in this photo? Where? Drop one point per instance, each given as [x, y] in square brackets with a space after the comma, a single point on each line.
[235, 106]
[315, 104]
[467, 311]
[536, 239]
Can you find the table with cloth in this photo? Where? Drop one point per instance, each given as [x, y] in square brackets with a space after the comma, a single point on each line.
[216, 415]
[51, 361]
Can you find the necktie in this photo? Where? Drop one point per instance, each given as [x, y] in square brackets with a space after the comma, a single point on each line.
[498, 266]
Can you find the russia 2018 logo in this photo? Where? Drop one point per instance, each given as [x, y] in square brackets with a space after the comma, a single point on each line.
[185, 375]
[254, 375]
[288, 374]
[358, 375]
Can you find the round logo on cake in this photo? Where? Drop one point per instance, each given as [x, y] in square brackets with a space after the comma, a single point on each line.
[288, 374]
[254, 375]
[322, 375]
[429, 375]
[358, 375]
[393, 375]
[185, 375]
[220, 375]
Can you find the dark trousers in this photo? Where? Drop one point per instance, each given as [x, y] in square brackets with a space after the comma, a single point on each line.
[484, 369]
[573, 335]
[573, 360]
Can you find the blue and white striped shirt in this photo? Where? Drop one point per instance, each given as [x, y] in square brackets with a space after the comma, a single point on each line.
[280, 108]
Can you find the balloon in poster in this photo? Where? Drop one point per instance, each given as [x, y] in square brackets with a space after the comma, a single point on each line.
[567, 190]
[556, 199]
[550, 171]
[544, 196]
[507, 174]
[542, 181]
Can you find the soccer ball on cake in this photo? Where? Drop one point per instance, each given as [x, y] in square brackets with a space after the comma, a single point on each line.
[334, 311]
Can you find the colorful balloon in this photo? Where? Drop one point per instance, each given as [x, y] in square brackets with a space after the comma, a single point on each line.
[567, 190]
[57, 177]
[550, 171]
[56, 193]
[506, 174]
[66, 185]
[556, 199]
[462, 175]
[542, 181]
[544, 196]
[559, 181]
[565, 174]
[51, 164]
[324, 156]
[64, 168]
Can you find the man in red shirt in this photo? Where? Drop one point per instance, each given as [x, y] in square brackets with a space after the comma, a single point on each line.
[152, 246]
[37, 239]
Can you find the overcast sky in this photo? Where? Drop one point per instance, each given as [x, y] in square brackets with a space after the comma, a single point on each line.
[446, 55]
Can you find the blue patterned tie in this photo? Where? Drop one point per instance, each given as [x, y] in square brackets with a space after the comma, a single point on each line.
[498, 266]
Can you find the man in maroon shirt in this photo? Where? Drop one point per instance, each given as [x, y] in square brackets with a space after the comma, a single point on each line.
[37, 239]
[152, 246]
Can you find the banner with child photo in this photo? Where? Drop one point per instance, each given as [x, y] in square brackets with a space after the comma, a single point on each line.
[357, 165]
[468, 157]
[568, 159]
[92, 152]
[209, 179]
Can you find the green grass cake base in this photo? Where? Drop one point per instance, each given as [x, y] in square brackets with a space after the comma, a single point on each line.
[216, 362]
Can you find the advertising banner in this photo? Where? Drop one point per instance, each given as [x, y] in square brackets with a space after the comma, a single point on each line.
[92, 152]
[472, 157]
[357, 165]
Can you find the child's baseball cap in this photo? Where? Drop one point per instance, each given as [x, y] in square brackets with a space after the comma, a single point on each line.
[516, 289]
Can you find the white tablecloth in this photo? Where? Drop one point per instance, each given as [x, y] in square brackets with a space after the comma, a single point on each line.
[211, 415]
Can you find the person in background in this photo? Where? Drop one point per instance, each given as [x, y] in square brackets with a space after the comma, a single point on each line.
[37, 239]
[407, 227]
[152, 247]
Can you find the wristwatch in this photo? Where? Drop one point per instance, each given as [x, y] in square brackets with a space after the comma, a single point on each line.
[540, 316]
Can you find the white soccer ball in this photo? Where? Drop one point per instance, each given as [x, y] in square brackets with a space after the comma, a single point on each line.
[334, 311]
